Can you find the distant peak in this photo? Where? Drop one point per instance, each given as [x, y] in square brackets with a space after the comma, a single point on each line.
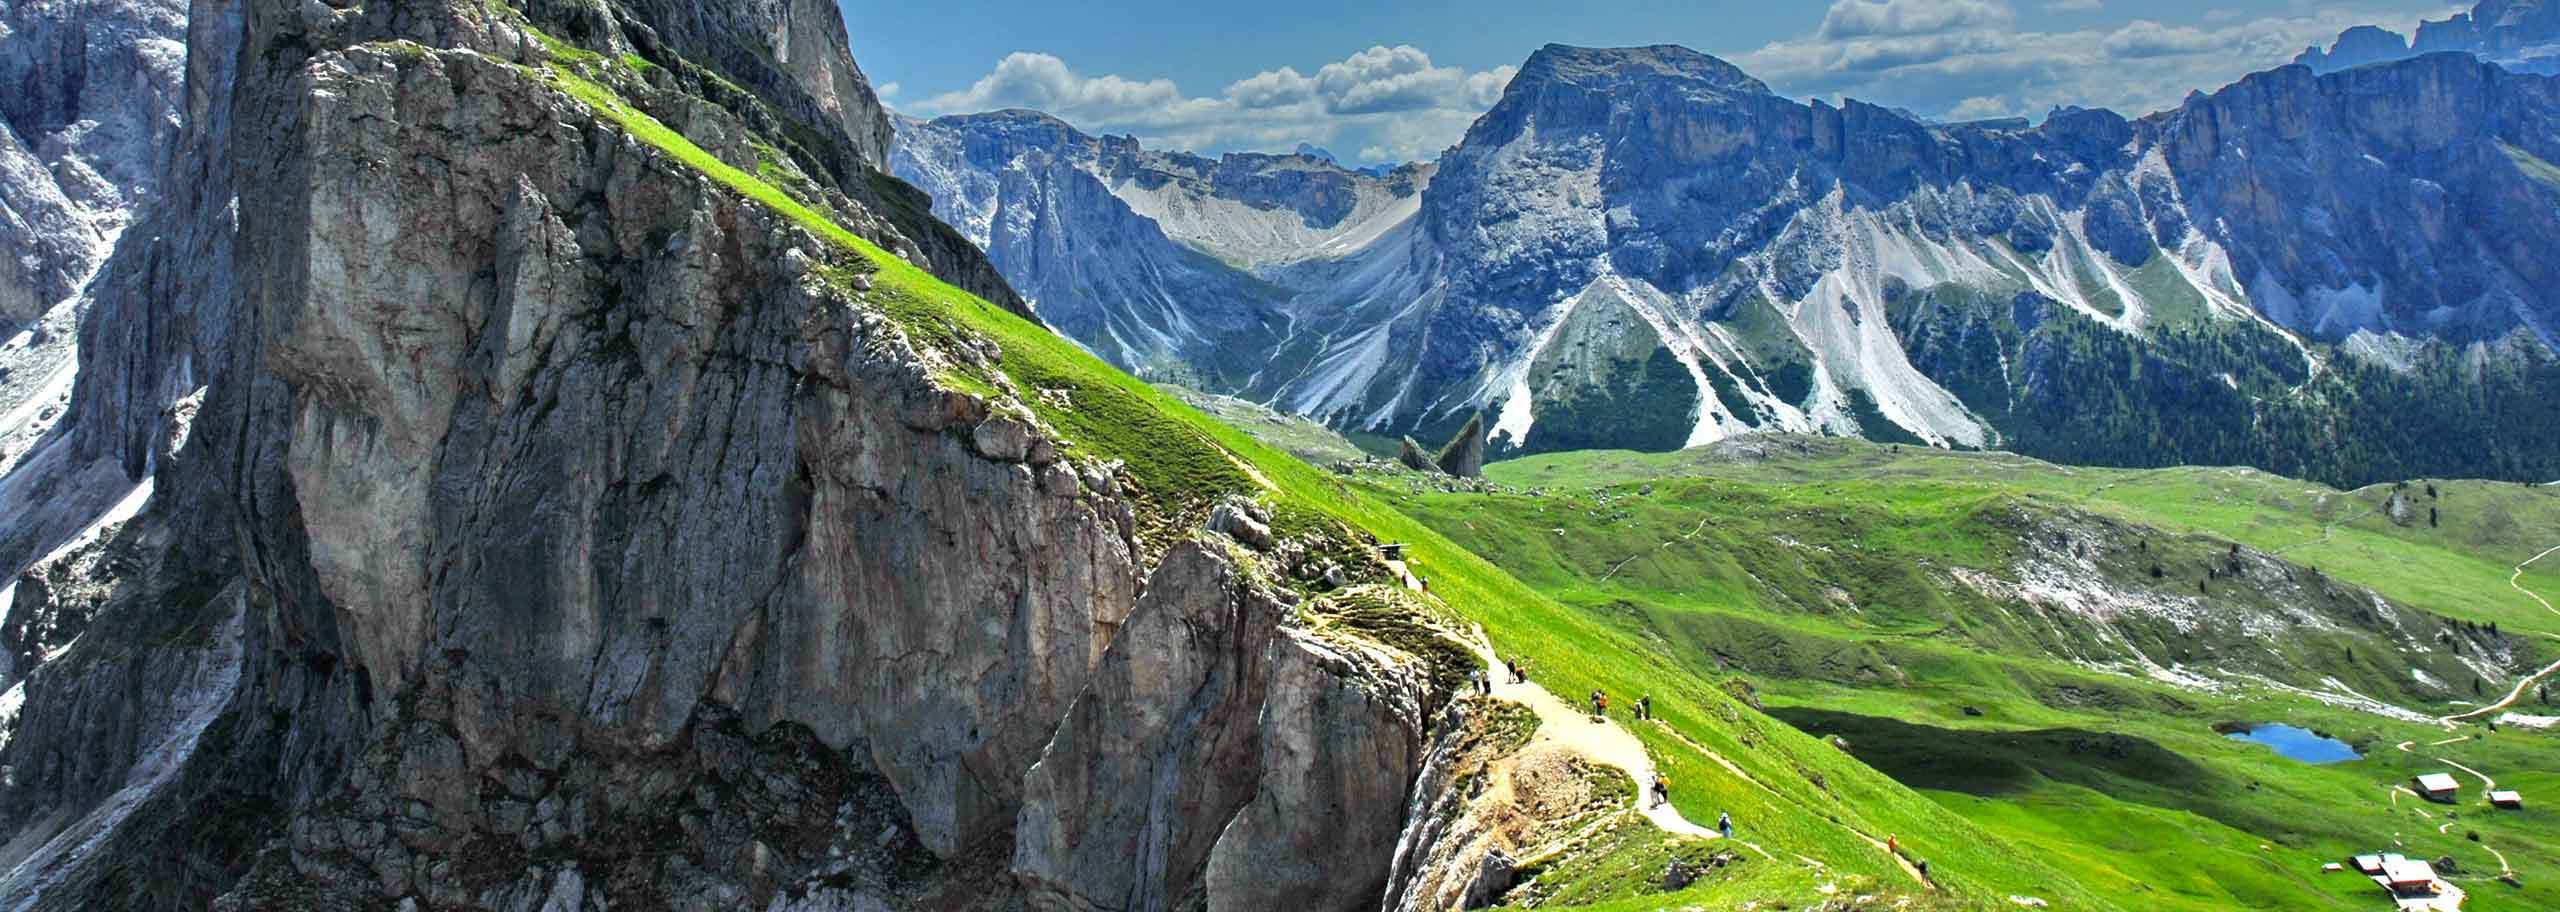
[1588, 66]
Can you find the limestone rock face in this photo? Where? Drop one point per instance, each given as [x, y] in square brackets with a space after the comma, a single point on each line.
[1464, 456]
[1258, 761]
[2515, 34]
[1341, 740]
[530, 522]
[92, 102]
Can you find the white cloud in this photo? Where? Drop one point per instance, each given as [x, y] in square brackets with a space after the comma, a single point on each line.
[1392, 101]
[1044, 82]
[1964, 59]
[887, 89]
[1874, 18]
[1956, 59]
[1980, 107]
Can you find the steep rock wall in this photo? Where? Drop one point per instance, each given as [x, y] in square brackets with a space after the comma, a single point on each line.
[553, 534]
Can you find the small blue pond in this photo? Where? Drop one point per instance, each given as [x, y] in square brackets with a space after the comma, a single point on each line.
[2296, 743]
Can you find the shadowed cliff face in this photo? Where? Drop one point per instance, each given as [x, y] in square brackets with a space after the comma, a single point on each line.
[531, 521]
[91, 103]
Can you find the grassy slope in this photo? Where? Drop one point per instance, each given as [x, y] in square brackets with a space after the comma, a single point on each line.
[1298, 436]
[2458, 569]
[2178, 829]
[1183, 459]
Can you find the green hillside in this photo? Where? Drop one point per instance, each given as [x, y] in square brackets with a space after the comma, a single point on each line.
[1824, 573]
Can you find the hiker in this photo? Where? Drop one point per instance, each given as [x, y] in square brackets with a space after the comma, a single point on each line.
[1893, 845]
[1475, 681]
[1661, 790]
[1599, 706]
[1644, 708]
[1519, 672]
[1922, 865]
[1484, 681]
[1724, 823]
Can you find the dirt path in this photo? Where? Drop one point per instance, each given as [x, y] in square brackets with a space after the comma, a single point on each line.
[1745, 775]
[2399, 790]
[1899, 861]
[2503, 867]
[2486, 783]
[1693, 534]
[1737, 771]
[2516, 581]
[1602, 742]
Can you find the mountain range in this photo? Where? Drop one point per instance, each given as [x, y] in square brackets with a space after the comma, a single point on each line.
[2521, 35]
[2341, 275]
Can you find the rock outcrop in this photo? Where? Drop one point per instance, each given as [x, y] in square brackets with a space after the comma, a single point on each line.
[2521, 35]
[92, 102]
[527, 521]
[1464, 454]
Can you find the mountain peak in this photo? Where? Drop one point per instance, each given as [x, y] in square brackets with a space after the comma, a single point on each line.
[1592, 66]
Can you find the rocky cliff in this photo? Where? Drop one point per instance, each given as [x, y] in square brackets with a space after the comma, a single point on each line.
[1646, 247]
[1173, 266]
[2521, 35]
[90, 106]
[537, 478]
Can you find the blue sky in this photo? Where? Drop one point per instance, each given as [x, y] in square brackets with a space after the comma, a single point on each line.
[1394, 81]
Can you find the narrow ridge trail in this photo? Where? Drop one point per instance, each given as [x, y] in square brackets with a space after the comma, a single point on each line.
[1602, 742]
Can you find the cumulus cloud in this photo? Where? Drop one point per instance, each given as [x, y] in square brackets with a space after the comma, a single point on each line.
[2145, 38]
[1875, 18]
[1394, 101]
[1954, 59]
[1980, 107]
[1969, 59]
[1044, 82]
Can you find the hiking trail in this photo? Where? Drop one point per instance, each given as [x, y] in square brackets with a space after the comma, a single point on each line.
[2486, 784]
[2515, 581]
[1601, 742]
[1899, 861]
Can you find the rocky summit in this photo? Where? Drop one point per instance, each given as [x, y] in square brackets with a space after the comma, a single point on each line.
[2521, 35]
[1647, 248]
